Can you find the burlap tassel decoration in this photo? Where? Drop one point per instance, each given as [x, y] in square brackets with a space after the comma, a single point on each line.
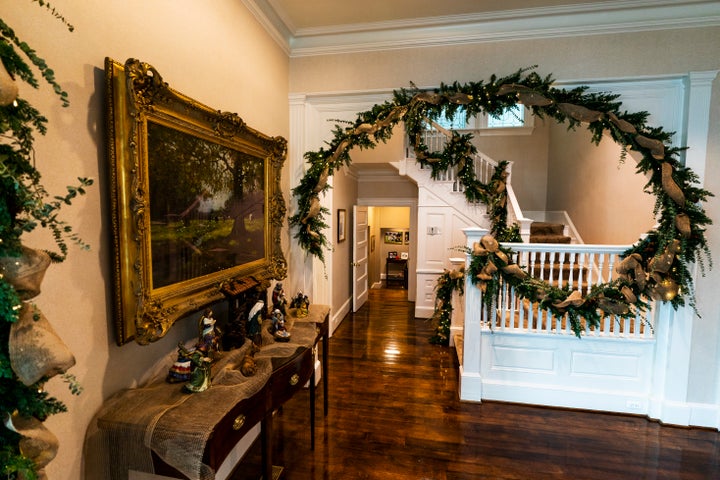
[614, 307]
[322, 180]
[682, 223]
[665, 288]
[670, 187]
[656, 147]
[490, 243]
[512, 88]
[580, 113]
[488, 271]
[629, 295]
[501, 184]
[313, 210]
[428, 97]
[312, 233]
[664, 261]
[37, 443]
[632, 264]
[396, 113]
[575, 299]
[339, 150]
[514, 270]
[478, 250]
[8, 87]
[25, 273]
[364, 128]
[460, 98]
[36, 351]
[623, 125]
[533, 99]
[457, 274]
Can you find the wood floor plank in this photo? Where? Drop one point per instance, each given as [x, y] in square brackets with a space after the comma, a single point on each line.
[395, 414]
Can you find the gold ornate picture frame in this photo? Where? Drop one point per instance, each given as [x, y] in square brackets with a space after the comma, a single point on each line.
[196, 202]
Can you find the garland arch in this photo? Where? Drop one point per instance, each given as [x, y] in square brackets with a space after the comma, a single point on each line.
[654, 268]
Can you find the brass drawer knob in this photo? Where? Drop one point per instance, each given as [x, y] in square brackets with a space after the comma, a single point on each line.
[294, 379]
[239, 422]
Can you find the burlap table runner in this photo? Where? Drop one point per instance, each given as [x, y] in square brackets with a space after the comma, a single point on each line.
[159, 417]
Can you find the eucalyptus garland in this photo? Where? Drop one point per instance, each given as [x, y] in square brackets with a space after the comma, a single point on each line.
[449, 282]
[656, 267]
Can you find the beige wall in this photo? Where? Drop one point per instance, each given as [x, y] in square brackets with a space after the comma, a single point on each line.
[529, 154]
[221, 57]
[604, 197]
[594, 56]
[639, 54]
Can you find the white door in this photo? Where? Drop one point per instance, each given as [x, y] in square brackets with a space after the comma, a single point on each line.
[360, 256]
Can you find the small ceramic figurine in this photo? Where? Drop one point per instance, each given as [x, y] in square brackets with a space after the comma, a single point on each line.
[182, 368]
[199, 380]
[279, 331]
[278, 298]
[248, 366]
[295, 302]
[300, 303]
[304, 307]
[209, 335]
[255, 318]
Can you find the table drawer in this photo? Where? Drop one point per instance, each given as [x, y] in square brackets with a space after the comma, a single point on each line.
[291, 377]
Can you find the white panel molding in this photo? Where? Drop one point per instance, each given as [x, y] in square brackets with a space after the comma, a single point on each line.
[698, 120]
[618, 16]
[551, 22]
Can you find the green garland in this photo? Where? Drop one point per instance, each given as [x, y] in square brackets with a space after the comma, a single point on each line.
[24, 206]
[448, 282]
[655, 268]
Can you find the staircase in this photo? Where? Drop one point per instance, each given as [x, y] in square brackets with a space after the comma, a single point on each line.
[546, 232]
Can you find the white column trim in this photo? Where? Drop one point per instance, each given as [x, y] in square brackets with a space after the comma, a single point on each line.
[698, 120]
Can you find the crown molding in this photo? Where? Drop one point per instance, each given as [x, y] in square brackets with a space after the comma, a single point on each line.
[271, 21]
[611, 17]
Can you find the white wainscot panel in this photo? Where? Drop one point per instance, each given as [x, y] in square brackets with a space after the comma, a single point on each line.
[436, 253]
[425, 295]
[523, 359]
[614, 365]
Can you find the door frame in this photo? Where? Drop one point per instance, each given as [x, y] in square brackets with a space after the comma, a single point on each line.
[412, 203]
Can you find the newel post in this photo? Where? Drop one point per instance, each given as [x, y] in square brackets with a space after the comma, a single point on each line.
[470, 376]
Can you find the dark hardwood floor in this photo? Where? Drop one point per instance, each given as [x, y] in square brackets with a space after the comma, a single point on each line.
[395, 414]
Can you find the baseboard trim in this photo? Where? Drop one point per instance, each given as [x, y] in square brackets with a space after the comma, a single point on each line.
[338, 316]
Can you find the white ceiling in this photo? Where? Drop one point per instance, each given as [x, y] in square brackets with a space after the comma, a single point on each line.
[320, 27]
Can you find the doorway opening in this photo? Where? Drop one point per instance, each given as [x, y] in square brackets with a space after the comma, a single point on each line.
[391, 244]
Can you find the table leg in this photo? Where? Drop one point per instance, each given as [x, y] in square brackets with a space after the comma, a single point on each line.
[312, 409]
[266, 445]
[325, 364]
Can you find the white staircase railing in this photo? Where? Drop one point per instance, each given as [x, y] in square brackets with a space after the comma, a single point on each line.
[580, 267]
[484, 168]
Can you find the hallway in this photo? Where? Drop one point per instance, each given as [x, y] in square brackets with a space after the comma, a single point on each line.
[394, 414]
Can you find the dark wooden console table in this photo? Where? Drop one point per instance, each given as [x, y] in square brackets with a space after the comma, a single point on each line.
[396, 271]
[285, 374]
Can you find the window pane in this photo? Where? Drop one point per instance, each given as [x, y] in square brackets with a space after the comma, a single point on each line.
[512, 117]
[456, 123]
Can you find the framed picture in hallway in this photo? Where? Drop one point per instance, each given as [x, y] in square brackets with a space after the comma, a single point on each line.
[406, 238]
[394, 237]
[341, 224]
[196, 201]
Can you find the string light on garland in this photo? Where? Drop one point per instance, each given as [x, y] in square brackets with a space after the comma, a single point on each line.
[655, 268]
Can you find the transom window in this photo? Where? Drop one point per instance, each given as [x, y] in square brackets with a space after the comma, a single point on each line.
[513, 121]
